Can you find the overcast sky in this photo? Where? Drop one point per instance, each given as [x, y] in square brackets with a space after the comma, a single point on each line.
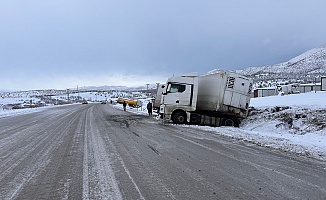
[60, 44]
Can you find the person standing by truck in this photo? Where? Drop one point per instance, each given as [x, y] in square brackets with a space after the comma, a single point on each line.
[149, 108]
[124, 105]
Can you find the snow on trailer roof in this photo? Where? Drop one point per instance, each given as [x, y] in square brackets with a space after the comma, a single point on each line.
[217, 71]
[193, 74]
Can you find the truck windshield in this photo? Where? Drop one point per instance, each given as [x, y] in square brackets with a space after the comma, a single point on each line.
[177, 88]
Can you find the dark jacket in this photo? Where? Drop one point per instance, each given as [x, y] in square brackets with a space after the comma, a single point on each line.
[149, 105]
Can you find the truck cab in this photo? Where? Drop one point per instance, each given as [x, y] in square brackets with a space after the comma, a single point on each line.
[179, 98]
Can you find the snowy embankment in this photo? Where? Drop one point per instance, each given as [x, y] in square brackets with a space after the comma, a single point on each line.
[10, 112]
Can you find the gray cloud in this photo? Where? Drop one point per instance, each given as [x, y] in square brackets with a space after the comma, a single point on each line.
[78, 40]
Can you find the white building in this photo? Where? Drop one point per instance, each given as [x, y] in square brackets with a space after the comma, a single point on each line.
[309, 87]
[323, 83]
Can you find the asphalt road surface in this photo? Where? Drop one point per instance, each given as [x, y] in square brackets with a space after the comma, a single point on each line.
[95, 151]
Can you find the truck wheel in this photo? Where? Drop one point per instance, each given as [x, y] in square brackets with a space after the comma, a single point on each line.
[179, 118]
[230, 122]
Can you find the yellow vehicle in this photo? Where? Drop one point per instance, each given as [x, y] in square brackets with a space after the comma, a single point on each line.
[121, 100]
[132, 103]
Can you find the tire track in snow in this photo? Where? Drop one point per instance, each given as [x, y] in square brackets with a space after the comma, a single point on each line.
[104, 124]
[99, 181]
[126, 169]
[149, 177]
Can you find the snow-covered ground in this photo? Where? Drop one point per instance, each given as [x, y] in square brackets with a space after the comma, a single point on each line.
[293, 123]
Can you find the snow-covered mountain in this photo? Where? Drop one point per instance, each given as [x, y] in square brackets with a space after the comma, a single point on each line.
[303, 68]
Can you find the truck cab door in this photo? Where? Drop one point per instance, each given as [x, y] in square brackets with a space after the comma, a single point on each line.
[185, 97]
[178, 94]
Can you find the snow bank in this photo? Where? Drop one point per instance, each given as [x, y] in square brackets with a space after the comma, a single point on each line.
[293, 123]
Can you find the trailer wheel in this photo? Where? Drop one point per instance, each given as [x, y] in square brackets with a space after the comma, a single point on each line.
[179, 118]
[230, 122]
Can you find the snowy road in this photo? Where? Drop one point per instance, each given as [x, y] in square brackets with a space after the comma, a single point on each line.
[95, 151]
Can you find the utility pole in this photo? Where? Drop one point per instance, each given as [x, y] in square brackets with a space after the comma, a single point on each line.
[157, 85]
[315, 85]
[147, 93]
[68, 95]
[78, 94]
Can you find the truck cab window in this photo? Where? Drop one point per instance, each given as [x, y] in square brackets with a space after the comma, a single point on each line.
[177, 88]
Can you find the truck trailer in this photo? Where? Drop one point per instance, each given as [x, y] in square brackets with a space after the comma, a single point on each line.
[218, 99]
[157, 101]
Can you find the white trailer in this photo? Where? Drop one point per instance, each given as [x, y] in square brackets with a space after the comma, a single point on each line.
[215, 99]
[157, 101]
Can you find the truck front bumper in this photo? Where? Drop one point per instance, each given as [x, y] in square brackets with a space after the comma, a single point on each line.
[164, 115]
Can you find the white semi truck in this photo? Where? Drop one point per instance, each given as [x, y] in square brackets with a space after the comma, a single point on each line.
[218, 99]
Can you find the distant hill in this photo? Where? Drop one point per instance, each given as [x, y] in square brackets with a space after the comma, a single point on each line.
[103, 88]
[81, 89]
[119, 88]
[303, 68]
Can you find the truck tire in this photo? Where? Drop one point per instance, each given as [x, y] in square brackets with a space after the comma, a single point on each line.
[230, 122]
[179, 118]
